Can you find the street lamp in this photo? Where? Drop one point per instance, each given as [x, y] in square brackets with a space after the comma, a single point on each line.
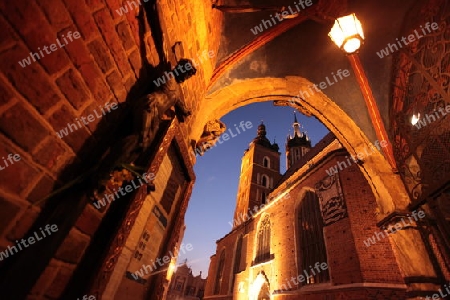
[348, 35]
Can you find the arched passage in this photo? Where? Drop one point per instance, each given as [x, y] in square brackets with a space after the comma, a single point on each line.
[386, 185]
[260, 288]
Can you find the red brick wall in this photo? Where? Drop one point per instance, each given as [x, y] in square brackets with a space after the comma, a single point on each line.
[103, 65]
[229, 245]
[377, 262]
[209, 288]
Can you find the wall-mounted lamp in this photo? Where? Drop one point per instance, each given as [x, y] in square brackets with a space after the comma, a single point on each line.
[347, 33]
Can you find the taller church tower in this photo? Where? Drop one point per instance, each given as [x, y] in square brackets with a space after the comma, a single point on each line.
[260, 170]
[296, 145]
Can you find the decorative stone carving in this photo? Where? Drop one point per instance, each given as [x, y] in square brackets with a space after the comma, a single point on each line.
[211, 133]
[151, 109]
[421, 151]
[112, 186]
[332, 204]
[147, 114]
[293, 102]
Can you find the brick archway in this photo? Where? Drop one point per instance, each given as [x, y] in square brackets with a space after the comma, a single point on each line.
[386, 185]
[257, 286]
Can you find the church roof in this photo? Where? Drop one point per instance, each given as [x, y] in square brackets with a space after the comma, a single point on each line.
[262, 140]
[297, 140]
[325, 141]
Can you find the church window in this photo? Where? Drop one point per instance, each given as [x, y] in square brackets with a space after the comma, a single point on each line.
[237, 257]
[265, 181]
[263, 241]
[266, 162]
[190, 291]
[237, 260]
[179, 284]
[219, 274]
[312, 243]
[200, 293]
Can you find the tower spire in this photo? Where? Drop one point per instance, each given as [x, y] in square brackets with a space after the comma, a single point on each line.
[297, 144]
[296, 125]
[262, 140]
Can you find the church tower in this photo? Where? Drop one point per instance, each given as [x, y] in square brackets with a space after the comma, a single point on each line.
[296, 145]
[260, 171]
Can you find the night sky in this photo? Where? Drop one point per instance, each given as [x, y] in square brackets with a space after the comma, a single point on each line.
[212, 204]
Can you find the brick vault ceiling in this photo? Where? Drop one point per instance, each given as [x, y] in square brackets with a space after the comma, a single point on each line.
[307, 51]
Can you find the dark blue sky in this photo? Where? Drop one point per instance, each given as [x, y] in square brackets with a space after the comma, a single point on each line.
[214, 195]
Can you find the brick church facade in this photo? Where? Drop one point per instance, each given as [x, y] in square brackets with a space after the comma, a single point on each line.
[300, 235]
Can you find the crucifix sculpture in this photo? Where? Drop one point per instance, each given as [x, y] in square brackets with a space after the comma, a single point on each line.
[147, 114]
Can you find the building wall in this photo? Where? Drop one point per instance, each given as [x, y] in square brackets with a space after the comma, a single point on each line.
[228, 244]
[139, 251]
[212, 271]
[252, 170]
[184, 274]
[352, 265]
[114, 60]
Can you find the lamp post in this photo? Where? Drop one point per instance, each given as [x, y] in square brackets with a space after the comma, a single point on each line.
[348, 35]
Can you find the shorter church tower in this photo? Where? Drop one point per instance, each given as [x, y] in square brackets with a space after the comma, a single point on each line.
[260, 171]
[296, 145]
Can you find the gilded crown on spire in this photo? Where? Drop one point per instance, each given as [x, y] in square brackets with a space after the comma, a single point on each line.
[299, 138]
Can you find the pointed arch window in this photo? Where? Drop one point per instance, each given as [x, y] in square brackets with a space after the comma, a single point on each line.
[312, 242]
[219, 273]
[237, 260]
[263, 198]
[263, 241]
[237, 256]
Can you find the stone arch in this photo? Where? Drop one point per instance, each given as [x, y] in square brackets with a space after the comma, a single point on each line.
[385, 184]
